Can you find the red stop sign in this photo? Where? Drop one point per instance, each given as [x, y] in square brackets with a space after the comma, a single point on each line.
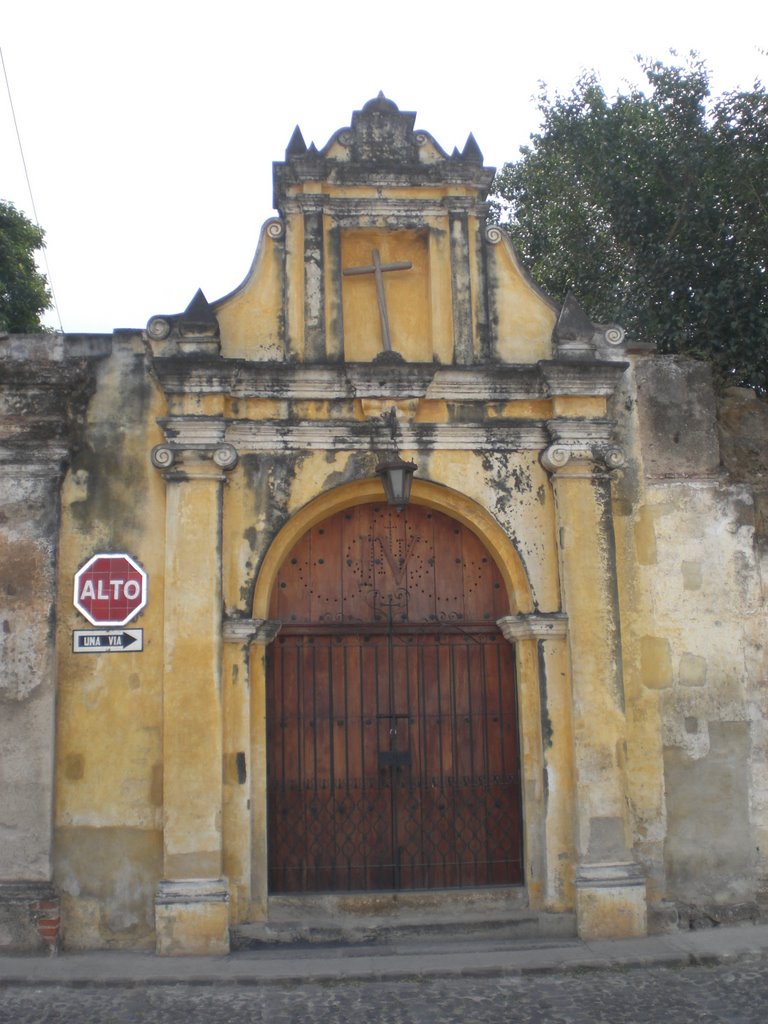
[110, 590]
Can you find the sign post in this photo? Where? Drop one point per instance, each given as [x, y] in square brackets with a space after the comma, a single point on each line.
[110, 590]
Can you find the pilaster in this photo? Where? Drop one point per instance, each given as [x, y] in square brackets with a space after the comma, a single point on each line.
[541, 649]
[314, 283]
[610, 889]
[191, 904]
[245, 642]
[463, 349]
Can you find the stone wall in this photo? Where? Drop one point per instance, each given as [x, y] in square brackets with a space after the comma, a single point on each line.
[694, 612]
[45, 385]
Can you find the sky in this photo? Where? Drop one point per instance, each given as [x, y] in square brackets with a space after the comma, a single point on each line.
[149, 129]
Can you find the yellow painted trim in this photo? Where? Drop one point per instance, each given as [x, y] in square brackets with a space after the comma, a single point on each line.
[442, 499]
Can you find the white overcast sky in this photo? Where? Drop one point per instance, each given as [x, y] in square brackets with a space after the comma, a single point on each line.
[149, 128]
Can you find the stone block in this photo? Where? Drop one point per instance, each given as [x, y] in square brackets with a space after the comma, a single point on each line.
[655, 662]
[611, 902]
[709, 851]
[693, 670]
[192, 918]
[676, 412]
[692, 575]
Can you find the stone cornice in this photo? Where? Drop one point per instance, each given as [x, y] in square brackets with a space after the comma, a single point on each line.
[400, 212]
[207, 432]
[240, 378]
[580, 433]
[581, 377]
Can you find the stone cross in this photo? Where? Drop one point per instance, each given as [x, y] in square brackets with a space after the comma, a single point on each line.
[377, 269]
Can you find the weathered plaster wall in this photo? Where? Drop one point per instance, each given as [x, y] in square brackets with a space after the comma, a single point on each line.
[27, 683]
[43, 388]
[694, 631]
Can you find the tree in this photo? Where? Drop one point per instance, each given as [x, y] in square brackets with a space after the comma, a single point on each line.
[23, 289]
[651, 208]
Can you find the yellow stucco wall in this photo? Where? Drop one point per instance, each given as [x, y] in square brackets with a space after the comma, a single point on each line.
[109, 754]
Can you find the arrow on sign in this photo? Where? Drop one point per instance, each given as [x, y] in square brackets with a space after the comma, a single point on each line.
[91, 641]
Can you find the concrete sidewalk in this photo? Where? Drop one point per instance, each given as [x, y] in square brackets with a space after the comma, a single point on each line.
[398, 961]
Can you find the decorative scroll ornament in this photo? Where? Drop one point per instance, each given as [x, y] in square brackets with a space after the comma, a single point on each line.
[225, 456]
[163, 457]
[613, 457]
[275, 228]
[494, 234]
[555, 457]
[421, 138]
[158, 328]
[614, 334]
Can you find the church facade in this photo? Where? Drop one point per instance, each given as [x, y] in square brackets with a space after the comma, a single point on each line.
[536, 679]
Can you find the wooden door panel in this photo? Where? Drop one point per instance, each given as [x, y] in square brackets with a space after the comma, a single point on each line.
[364, 561]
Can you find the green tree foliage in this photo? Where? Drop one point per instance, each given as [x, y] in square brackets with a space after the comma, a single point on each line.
[651, 207]
[23, 290]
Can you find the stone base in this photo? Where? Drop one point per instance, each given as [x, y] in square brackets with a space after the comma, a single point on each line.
[192, 917]
[29, 917]
[611, 901]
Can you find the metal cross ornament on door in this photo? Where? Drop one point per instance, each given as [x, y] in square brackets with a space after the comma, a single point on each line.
[377, 268]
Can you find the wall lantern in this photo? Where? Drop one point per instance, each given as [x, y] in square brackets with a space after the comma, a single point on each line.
[396, 474]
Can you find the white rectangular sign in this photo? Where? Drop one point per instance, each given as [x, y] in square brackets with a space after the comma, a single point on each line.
[107, 641]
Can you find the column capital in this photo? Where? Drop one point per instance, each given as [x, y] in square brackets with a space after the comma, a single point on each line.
[534, 626]
[250, 631]
[585, 446]
[593, 459]
[194, 461]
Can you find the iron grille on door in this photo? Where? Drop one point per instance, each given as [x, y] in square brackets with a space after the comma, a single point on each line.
[393, 762]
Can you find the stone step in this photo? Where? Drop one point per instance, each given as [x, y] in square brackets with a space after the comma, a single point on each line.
[386, 920]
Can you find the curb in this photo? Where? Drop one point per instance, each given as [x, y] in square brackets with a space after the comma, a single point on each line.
[338, 971]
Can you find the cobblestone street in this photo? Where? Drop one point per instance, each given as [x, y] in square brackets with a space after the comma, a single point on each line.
[736, 993]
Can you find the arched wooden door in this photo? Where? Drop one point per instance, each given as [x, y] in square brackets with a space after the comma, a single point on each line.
[391, 710]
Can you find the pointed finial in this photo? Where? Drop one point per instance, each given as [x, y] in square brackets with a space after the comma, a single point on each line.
[381, 104]
[199, 308]
[472, 151]
[297, 146]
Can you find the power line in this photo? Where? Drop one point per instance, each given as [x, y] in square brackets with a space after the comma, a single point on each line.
[29, 188]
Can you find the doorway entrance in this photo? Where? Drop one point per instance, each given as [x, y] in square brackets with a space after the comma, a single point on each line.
[392, 726]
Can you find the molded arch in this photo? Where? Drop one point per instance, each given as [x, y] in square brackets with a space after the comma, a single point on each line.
[442, 499]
